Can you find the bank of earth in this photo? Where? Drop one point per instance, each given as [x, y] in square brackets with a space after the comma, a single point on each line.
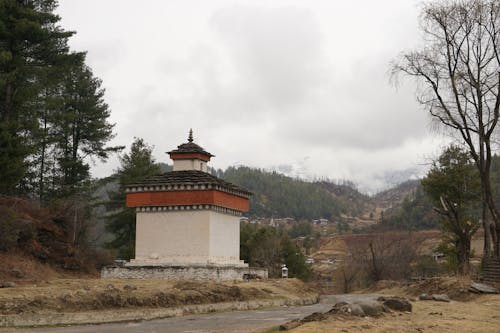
[87, 301]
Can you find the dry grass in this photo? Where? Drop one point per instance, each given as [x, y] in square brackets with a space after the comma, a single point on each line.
[481, 315]
[74, 295]
[466, 312]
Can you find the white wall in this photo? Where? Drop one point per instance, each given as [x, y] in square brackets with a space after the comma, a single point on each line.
[224, 236]
[193, 164]
[187, 237]
[167, 234]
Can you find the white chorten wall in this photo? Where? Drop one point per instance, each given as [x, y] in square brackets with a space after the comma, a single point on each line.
[187, 238]
[224, 237]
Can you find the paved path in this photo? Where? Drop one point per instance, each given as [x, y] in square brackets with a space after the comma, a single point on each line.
[349, 298]
[226, 322]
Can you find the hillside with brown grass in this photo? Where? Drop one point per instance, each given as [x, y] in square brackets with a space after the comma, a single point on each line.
[37, 243]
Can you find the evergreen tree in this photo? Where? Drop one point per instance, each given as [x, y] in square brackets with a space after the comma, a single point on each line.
[135, 166]
[267, 247]
[80, 128]
[453, 184]
[294, 260]
[415, 213]
[52, 113]
[30, 44]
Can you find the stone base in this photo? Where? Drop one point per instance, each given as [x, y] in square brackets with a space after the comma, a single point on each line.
[171, 272]
[189, 261]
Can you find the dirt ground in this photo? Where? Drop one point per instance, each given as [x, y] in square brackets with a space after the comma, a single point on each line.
[62, 297]
[467, 312]
[481, 315]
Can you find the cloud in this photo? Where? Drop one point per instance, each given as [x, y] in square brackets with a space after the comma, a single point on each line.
[276, 51]
[296, 86]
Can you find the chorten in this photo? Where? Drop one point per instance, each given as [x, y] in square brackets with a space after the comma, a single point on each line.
[187, 217]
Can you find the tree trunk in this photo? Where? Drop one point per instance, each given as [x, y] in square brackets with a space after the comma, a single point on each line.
[495, 217]
[487, 231]
[7, 108]
[375, 268]
[41, 185]
[463, 255]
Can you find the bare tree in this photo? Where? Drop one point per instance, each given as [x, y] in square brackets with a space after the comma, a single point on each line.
[458, 71]
[377, 256]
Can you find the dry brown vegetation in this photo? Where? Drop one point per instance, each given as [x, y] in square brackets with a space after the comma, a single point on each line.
[36, 241]
[466, 312]
[478, 316]
[95, 294]
[88, 297]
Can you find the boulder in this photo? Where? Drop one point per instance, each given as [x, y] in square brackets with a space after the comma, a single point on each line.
[290, 325]
[9, 284]
[341, 307]
[315, 316]
[17, 273]
[440, 297]
[357, 310]
[129, 287]
[396, 303]
[482, 288]
[425, 297]
[370, 308]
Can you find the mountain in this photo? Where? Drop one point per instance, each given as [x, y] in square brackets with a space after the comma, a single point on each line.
[394, 196]
[354, 202]
[407, 207]
[277, 195]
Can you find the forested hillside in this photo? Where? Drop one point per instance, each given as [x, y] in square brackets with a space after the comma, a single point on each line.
[414, 212]
[407, 206]
[345, 192]
[394, 196]
[276, 195]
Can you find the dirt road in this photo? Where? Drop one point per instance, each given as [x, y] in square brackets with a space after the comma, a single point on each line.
[239, 321]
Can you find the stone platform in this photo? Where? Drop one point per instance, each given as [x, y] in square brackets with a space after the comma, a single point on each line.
[176, 272]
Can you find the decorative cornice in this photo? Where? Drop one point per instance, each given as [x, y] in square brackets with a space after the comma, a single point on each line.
[185, 187]
[180, 208]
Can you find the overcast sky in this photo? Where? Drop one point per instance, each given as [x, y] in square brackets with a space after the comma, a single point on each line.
[297, 86]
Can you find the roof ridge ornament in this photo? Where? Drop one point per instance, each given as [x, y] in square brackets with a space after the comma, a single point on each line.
[190, 137]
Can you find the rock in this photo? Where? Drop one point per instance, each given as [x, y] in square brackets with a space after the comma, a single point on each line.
[370, 308]
[425, 297]
[315, 316]
[396, 304]
[482, 288]
[341, 307]
[9, 284]
[129, 287]
[290, 325]
[357, 310]
[17, 273]
[440, 297]
[82, 292]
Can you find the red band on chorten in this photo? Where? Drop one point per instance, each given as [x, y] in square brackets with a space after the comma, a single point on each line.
[175, 198]
[189, 156]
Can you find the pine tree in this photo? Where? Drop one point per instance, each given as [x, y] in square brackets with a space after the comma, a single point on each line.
[454, 186]
[80, 128]
[135, 166]
[30, 43]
